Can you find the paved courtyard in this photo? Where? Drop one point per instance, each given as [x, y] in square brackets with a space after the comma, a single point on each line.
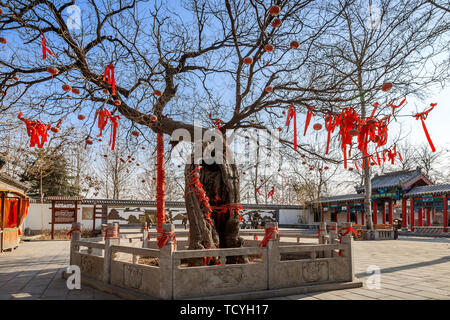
[410, 268]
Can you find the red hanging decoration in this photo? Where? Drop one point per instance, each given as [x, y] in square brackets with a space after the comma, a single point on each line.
[45, 50]
[103, 117]
[36, 130]
[267, 236]
[423, 116]
[161, 177]
[271, 193]
[292, 114]
[274, 11]
[308, 118]
[109, 76]
[294, 45]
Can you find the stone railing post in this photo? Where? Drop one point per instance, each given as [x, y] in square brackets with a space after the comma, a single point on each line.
[166, 264]
[75, 235]
[273, 257]
[103, 229]
[323, 235]
[111, 238]
[348, 254]
[144, 229]
[333, 237]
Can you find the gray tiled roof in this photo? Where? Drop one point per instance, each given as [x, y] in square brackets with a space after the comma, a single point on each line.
[13, 182]
[341, 198]
[393, 179]
[439, 189]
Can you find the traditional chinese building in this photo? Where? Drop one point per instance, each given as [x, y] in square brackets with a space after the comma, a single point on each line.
[408, 196]
[14, 206]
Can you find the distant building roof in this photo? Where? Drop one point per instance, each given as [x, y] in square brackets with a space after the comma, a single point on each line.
[340, 198]
[7, 181]
[434, 190]
[401, 179]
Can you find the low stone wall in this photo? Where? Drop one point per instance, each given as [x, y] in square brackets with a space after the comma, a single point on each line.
[118, 265]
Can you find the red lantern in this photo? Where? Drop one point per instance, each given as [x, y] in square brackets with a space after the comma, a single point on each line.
[179, 166]
[67, 87]
[105, 155]
[303, 156]
[52, 70]
[243, 173]
[135, 133]
[55, 129]
[16, 78]
[1, 11]
[268, 89]
[100, 140]
[304, 162]
[121, 160]
[132, 159]
[370, 121]
[117, 102]
[143, 181]
[81, 117]
[386, 87]
[294, 45]
[76, 90]
[269, 48]
[280, 129]
[326, 168]
[276, 23]
[158, 93]
[274, 11]
[143, 148]
[350, 169]
[137, 164]
[353, 132]
[317, 126]
[105, 91]
[248, 60]
[3, 40]
[89, 142]
[153, 118]
[42, 106]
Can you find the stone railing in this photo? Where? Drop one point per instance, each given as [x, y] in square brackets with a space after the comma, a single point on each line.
[276, 266]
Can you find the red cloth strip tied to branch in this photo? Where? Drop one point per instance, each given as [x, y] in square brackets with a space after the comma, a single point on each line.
[292, 114]
[160, 183]
[165, 237]
[268, 235]
[36, 130]
[201, 194]
[331, 121]
[271, 193]
[348, 119]
[109, 76]
[423, 116]
[103, 117]
[45, 50]
[309, 115]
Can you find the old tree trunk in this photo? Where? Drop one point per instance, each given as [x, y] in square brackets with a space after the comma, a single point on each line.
[212, 203]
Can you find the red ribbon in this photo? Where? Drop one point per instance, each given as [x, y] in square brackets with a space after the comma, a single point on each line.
[267, 236]
[308, 118]
[271, 192]
[72, 230]
[103, 117]
[164, 238]
[36, 130]
[161, 181]
[44, 48]
[423, 116]
[292, 114]
[109, 75]
[221, 210]
[201, 194]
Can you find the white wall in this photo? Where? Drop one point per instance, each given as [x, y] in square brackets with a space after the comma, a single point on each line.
[292, 216]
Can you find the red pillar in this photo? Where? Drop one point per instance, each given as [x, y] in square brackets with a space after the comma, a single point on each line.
[445, 214]
[391, 212]
[348, 213]
[420, 217]
[375, 216]
[412, 214]
[362, 218]
[404, 216]
[428, 217]
[384, 212]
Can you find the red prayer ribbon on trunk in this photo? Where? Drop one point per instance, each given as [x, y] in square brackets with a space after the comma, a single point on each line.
[267, 236]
